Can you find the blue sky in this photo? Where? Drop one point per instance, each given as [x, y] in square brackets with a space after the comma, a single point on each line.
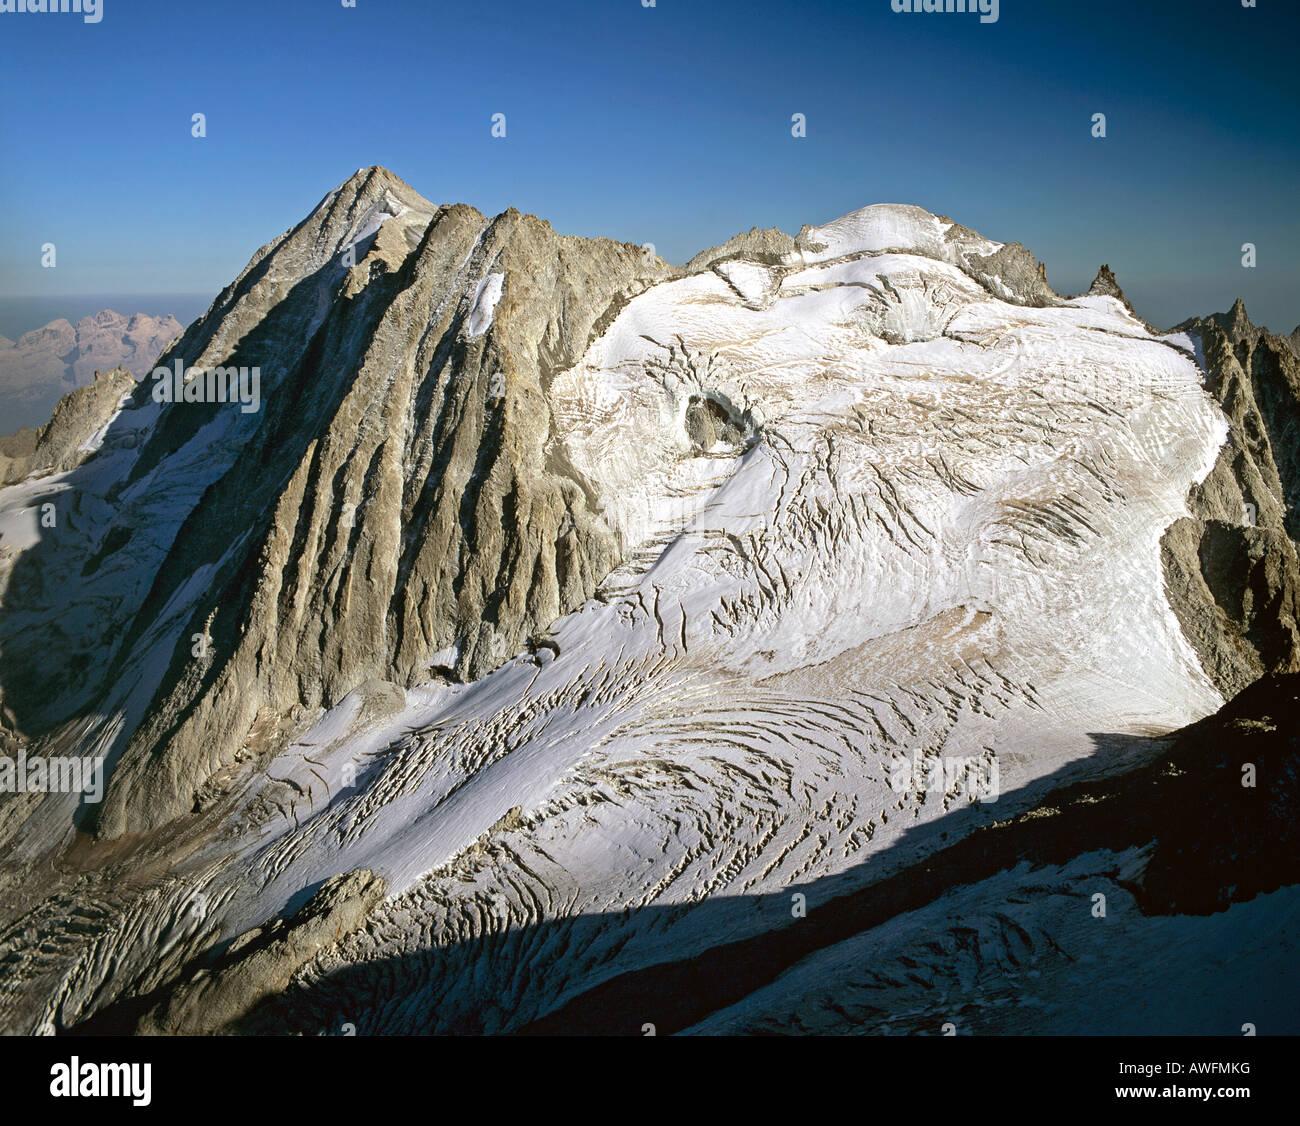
[668, 124]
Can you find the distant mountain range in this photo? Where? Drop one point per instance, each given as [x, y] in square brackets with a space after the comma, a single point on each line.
[43, 365]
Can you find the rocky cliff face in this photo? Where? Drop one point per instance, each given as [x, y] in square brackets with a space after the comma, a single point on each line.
[551, 595]
[63, 442]
[1231, 566]
[396, 507]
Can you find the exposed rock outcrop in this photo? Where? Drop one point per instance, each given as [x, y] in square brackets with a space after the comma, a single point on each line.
[62, 442]
[1105, 285]
[1231, 569]
[217, 992]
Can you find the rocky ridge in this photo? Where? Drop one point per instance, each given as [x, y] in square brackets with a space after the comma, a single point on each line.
[1231, 567]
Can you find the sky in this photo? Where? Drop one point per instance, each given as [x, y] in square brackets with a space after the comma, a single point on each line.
[669, 124]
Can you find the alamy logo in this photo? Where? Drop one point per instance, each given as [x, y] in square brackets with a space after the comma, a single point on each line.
[35, 774]
[975, 778]
[210, 385]
[102, 1080]
[987, 9]
[91, 11]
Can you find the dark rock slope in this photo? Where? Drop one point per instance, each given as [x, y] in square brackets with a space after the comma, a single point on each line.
[1231, 569]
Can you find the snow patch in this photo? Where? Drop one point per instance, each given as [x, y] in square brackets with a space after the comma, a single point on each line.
[485, 302]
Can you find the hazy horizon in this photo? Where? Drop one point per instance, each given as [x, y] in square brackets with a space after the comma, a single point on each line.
[23, 314]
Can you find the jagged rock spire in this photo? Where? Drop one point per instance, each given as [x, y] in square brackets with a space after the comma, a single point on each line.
[1105, 285]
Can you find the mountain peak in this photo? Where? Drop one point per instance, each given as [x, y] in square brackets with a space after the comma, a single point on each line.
[1105, 284]
[1006, 270]
[375, 172]
[882, 227]
[1236, 322]
[363, 196]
